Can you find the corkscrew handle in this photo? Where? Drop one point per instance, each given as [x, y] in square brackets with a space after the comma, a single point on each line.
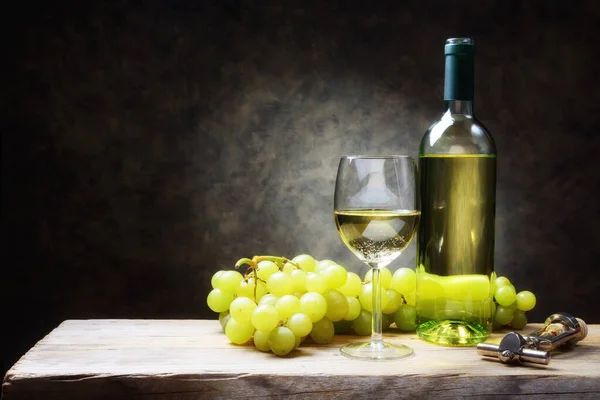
[513, 349]
[559, 330]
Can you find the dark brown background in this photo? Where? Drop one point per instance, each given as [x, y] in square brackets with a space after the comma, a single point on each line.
[146, 147]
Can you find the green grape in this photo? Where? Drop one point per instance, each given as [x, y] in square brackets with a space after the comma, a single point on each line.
[386, 321]
[525, 300]
[265, 317]
[362, 324]
[503, 315]
[501, 281]
[238, 333]
[261, 340]
[219, 301]
[299, 280]
[299, 340]
[287, 305]
[429, 288]
[228, 281]
[335, 276]
[314, 305]
[269, 299]
[366, 298]
[343, 327]
[394, 302]
[505, 295]
[405, 318]
[322, 331]
[322, 264]
[337, 305]
[404, 281]
[306, 262]
[410, 298]
[465, 287]
[241, 309]
[280, 284]
[281, 341]
[223, 318]
[352, 286]
[316, 283]
[385, 276]
[288, 268]
[519, 320]
[353, 308]
[215, 278]
[300, 324]
[486, 308]
[246, 289]
[266, 269]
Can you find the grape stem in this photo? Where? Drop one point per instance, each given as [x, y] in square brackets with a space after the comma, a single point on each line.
[253, 267]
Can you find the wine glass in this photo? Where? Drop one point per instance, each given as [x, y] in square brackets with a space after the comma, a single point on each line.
[376, 209]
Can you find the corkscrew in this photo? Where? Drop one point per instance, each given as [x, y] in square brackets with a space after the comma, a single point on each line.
[561, 330]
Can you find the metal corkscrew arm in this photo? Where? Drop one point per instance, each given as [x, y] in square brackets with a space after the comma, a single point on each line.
[561, 330]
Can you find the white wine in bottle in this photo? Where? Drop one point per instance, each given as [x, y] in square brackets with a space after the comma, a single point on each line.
[455, 242]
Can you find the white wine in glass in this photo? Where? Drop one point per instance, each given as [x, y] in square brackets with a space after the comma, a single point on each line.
[376, 212]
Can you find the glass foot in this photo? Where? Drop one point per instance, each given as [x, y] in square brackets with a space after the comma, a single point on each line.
[376, 351]
[452, 333]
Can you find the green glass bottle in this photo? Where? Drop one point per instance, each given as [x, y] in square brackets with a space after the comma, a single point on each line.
[455, 243]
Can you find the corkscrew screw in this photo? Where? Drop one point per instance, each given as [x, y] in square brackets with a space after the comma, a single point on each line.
[561, 330]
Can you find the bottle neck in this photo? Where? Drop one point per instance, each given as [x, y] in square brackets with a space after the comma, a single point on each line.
[459, 72]
[463, 107]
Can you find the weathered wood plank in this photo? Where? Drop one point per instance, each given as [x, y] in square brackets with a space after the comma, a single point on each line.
[190, 359]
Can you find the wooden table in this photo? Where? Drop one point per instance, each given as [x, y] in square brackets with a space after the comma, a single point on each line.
[192, 359]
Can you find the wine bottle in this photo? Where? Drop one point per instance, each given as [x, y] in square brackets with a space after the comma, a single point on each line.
[455, 242]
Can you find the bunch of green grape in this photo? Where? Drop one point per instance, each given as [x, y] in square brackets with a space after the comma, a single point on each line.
[510, 306]
[279, 302]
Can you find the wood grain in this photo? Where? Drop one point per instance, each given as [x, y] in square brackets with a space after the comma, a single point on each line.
[192, 359]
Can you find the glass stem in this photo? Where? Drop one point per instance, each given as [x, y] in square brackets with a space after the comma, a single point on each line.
[376, 335]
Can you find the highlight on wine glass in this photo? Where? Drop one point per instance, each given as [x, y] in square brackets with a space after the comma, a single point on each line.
[376, 209]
